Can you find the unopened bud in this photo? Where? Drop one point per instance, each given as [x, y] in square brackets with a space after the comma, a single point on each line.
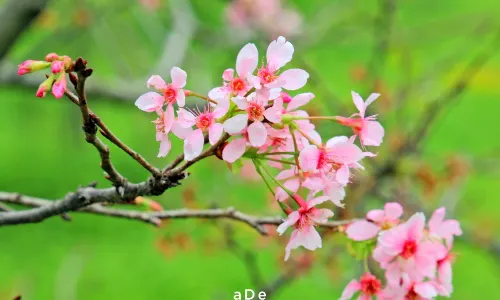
[45, 86]
[59, 86]
[51, 57]
[30, 66]
[286, 98]
[57, 66]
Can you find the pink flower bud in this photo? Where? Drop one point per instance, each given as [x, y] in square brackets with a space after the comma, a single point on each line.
[286, 98]
[51, 57]
[57, 66]
[42, 91]
[59, 86]
[31, 66]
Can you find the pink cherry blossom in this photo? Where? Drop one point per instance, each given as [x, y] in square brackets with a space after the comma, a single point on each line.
[444, 271]
[255, 107]
[402, 249]
[368, 287]
[170, 93]
[246, 63]
[304, 219]
[338, 155]
[235, 149]
[57, 66]
[205, 122]
[275, 112]
[409, 289]
[377, 220]
[444, 229]
[279, 53]
[370, 132]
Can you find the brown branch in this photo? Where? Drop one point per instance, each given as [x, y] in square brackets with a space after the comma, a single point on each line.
[85, 200]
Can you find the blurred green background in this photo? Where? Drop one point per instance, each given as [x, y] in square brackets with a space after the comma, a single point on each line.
[410, 51]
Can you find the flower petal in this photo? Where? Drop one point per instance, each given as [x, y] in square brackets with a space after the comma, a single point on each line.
[299, 100]
[179, 77]
[185, 118]
[156, 82]
[257, 134]
[362, 230]
[308, 158]
[290, 220]
[234, 150]
[236, 124]
[371, 98]
[352, 287]
[360, 104]
[247, 60]
[393, 210]
[214, 133]
[150, 102]
[293, 79]
[180, 98]
[279, 53]
[165, 146]
[228, 74]
[193, 145]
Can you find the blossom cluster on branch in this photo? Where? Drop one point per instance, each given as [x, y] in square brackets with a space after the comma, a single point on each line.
[415, 256]
[257, 115]
[268, 126]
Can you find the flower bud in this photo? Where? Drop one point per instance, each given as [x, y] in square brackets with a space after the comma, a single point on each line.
[51, 57]
[59, 86]
[45, 86]
[32, 66]
[57, 66]
[286, 98]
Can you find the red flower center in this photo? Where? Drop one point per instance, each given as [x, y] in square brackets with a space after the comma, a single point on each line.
[370, 285]
[266, 75]
[255, 111]
[170, 94]
[238, 85]
[409, 249]
[204, 121]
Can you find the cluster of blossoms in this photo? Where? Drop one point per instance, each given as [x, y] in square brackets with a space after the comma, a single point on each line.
[59, 66]
[266, 124]
[415, 256]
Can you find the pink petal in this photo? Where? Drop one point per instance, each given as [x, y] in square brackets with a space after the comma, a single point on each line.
[299, 100]
[179, 77]
[336, 193]
[372, 133]
[236, 124]
[234, 150]
[181, 132]
[157, 82]
[228, 74]
[150, 102]
[273, 114]
[169, 118]
[346, 153]
[217, 93]
[285, 174]
[180, 98]
[415, 226]
[371, 98]
[257, 134]
[393, 210]
[376, 215]
[290, 220]
[352, 287]
[336, 141]
[292, 185]
[362, 230]
[221, 108]
[425, 290]
[321, 215]
[309, 157]
[309, 238]
[317, 201]
[185, 118]
[360, 104]
[193, 145]
[247, 60]
[214, 133]
[241, 102]
[279, 53]
[293, 79]
[342, 175]
[165, 146]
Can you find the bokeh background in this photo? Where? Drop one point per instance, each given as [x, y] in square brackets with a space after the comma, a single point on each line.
[433, 62]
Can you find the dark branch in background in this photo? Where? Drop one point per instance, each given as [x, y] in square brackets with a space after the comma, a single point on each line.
[16, 16]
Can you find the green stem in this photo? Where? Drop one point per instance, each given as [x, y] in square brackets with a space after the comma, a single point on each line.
[279, 153]
[276, 181]
[278, 160]
[257, 167]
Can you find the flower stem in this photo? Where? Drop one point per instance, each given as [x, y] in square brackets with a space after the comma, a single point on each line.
[279, 153]
[257, 167]
[191, 93]
[276, 181]
[307, 136]
[278, 160]
[296, 147]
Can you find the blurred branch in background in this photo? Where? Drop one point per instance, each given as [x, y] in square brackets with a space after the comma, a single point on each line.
[16, 16]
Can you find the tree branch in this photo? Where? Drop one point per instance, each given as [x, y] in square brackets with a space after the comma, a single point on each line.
[85, 200]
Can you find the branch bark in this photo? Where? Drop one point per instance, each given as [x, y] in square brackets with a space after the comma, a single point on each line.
[89, 200]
